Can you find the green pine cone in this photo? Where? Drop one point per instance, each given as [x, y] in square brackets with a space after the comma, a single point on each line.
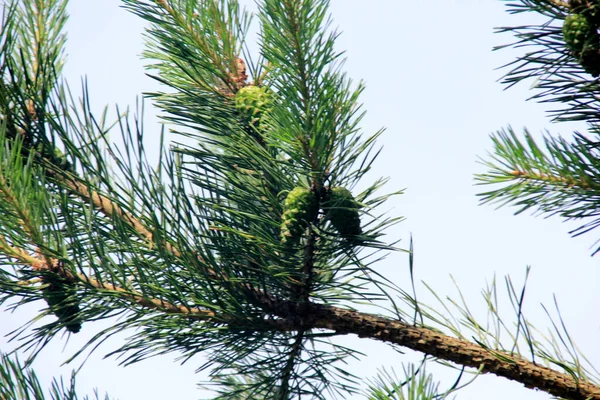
[579, 33]
[62, 304]
[253, 103]
[342, 210]
[299, 209]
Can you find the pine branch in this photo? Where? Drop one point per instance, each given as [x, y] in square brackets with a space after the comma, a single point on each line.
[556, 177]
[444, 347]
[302, 316]
[41, 265]
[224, 59]
[108, 207]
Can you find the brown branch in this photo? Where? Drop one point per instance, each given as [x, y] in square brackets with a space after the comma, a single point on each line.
[144, 301]
[111, 209]
[194, 313]
[102, 203]
[449, 348]
[39, 264]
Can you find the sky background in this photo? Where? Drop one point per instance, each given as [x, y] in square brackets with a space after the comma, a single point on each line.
[431, 81]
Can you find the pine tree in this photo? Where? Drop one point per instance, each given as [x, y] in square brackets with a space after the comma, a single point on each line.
[248, 240]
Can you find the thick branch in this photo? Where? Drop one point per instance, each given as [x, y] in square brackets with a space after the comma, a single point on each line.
[450, 349]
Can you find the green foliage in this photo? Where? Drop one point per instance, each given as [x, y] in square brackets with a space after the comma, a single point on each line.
[299, 210]
[553, 70]
[416, 385]
[555, 175]
[18, 382]
[551, 177]
[32, 59]
[188, 251]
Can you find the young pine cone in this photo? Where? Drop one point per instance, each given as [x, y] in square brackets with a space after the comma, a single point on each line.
[579, 33]
[60, 299]
[342, 210]
[254, 103]
[299, 209]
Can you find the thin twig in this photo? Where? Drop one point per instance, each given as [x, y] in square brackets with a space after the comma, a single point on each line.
[552, 179]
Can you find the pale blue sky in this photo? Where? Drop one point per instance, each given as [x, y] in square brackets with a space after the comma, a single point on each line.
[430, 78]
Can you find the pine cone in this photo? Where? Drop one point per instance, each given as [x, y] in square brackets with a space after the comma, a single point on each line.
[253, 103]
[579, 33]
[342, 210]
[299, 209]
[59, 297]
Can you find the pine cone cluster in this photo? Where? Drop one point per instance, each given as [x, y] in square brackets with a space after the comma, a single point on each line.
[301, 207]
[580, 33]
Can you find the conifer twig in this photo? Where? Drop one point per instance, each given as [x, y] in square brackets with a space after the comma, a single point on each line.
[552, 179]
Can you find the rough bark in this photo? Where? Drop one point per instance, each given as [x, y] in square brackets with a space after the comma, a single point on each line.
[451, 349]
